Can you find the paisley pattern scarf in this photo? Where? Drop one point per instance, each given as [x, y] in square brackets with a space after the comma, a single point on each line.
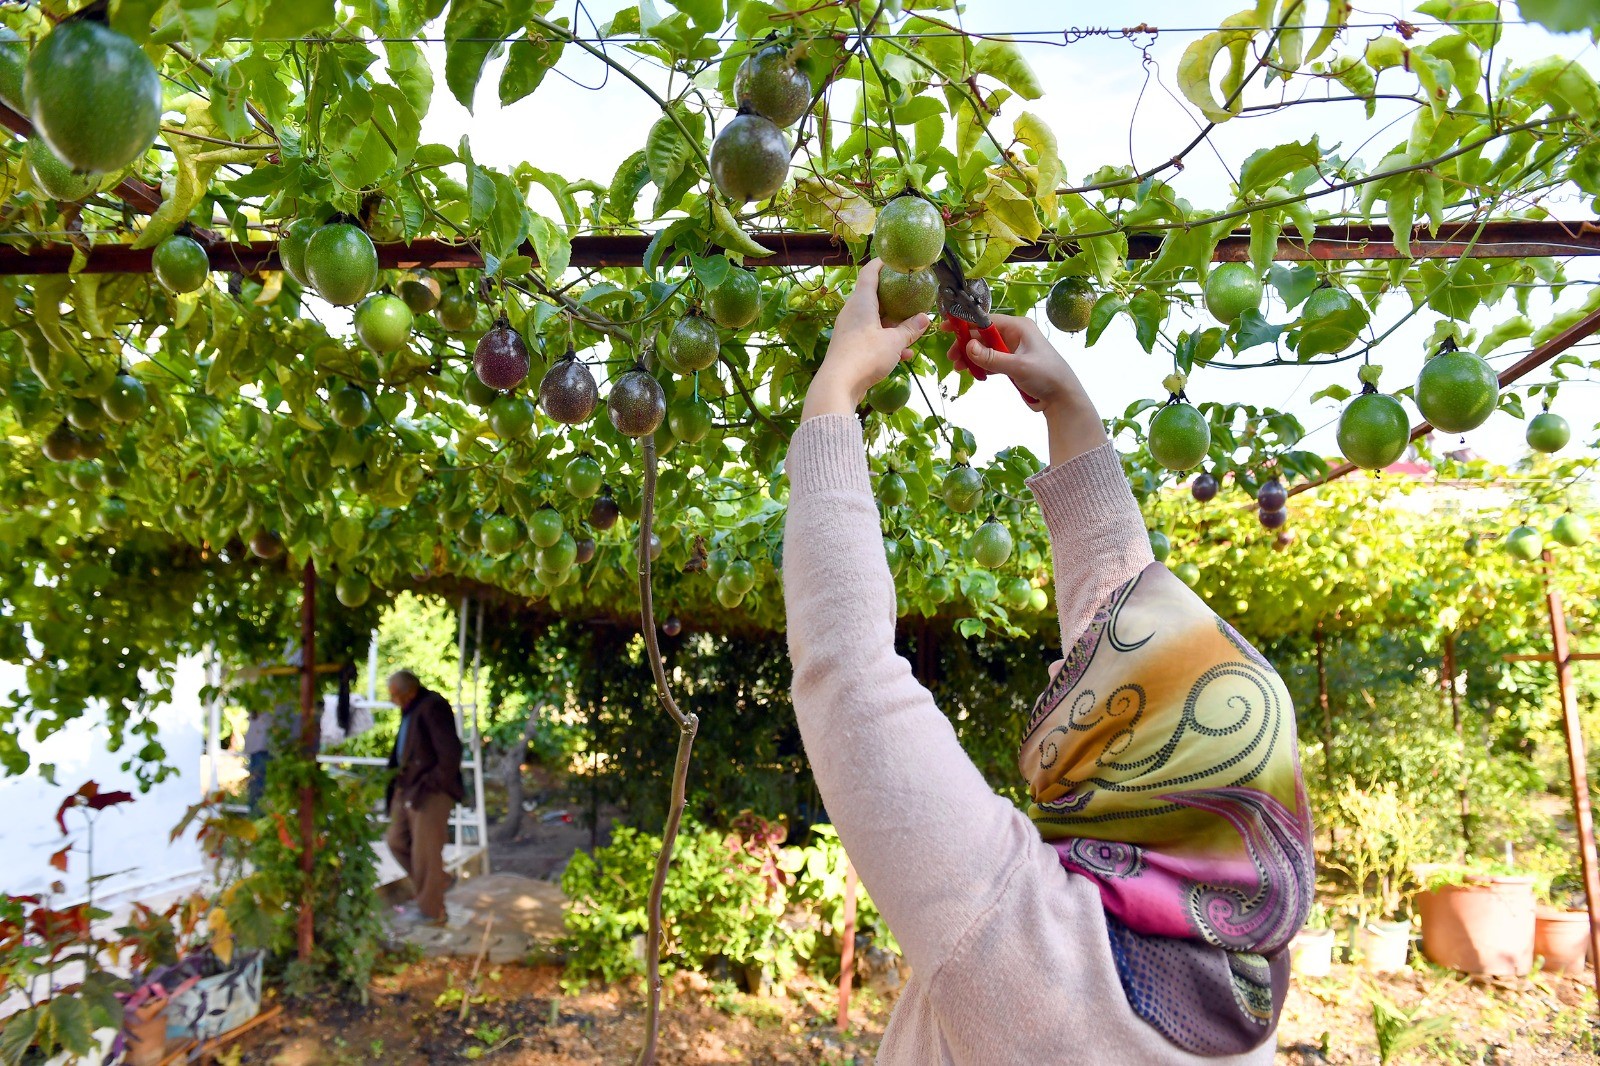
[1162, 764]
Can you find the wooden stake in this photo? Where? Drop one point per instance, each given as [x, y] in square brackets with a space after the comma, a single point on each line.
[1577, 767]
[847, 948]
[1447, 681]
[309, 728]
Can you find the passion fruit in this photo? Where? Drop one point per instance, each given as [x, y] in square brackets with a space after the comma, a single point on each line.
[125, 398]
[352, 590]
[456, 311]
[890, 394]
[383, 322]
[637, 403]
[54, 178]
[604, 512]
[501, 358]
[1548, 433]
[568, 392]
[511, 417]
[690, 419]
[1373, 430]
[1525, 543]
[421, 292]
[1179, 437]
[180, 264]
[962, 489]
[736, 302]
[902, 295]
[266, 544]
[770, 84]
[341, 263]
[991, 545]
[1160, 545]
[750, 158]
[693, 344]
[1570, 530]
[582, 476]
[292, 241]
[1457, 391]
[350, 407]
[909, 234]
[1231, 290]
[545, 527]
[94, 96]
[1204, 488]
[1069, 304]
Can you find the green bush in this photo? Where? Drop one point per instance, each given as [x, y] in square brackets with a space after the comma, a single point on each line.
[716, 903]
[738, 898]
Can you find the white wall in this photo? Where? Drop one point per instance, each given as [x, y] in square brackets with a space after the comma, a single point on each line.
[130, 839]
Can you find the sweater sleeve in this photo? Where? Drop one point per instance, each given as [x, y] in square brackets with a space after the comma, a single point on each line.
[1097, 535]
[933, 844]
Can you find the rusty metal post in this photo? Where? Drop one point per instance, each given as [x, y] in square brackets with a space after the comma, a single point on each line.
[1447, 681]
[309, 728]
[847, 947]
[1577, 767]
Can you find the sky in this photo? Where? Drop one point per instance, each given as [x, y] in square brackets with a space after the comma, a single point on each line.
[1102, 111]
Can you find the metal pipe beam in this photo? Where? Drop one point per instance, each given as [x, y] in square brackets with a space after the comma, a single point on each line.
[1510, 239]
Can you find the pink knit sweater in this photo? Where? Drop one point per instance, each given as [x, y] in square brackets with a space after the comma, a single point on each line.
[1009, 952]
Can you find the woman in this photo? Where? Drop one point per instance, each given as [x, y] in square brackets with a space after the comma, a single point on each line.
[1140, 909]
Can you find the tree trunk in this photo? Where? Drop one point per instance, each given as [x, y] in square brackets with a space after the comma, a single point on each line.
[510, 827]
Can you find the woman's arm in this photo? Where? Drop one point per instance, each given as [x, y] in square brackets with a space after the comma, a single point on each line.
[1097, 535]
[934, 845]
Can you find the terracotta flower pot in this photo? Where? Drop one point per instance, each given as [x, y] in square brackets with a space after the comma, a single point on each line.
[1561, 939]
[1484, 926]
[147, 1033]
[1311, 952]
[1383, 946]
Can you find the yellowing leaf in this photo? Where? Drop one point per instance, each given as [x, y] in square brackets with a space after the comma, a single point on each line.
[836, 208]
[1032, 131]
[1002, 61]
[1013, 209]
[1194, 68]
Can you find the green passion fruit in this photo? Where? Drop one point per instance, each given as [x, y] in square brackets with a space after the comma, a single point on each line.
[909, 234]
[421, 292]
[125, 398]
[890, 394]
[350, 407]
[93, 95]
[292, 241]
[1457, 391]
[583, 476]
[383, 322]
[180, 264]
[511, 417]
[54, 178]
[456, 311]
[1570, 530]
[736, 302]
[1373, 430]
[1069, 304]
[1548, 433]
[690, 419]
[905, 295]
[1179, 436]
[991, 545]
[693, 344]
[1231, 290]
[962, 489]
[1524, 543]
[341, 263]
[545, 527]
[352, 590]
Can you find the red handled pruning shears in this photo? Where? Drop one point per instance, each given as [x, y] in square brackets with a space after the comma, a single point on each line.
[964, 303]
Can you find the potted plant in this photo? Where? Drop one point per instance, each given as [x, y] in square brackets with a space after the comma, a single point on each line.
[1381, 838]
[1561, 927]
[1478, 919]
[1311, 950]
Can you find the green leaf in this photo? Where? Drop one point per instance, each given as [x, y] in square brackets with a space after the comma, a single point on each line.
[631, 177]
[1332, 392]
[293, 18]
[408, 69]
[1264, 229]
[69, 1016]
[1338, 14]
[1563, 16]
[18, 1035]
[1252, 329]
[1294, 282]
[667, 151]
[732, 236]
[551, 243]
[1002, 61]
[1514, 328]
[530, 58]
[1100, 316]
[472, 31]
[1148, 309]
[1265, 167]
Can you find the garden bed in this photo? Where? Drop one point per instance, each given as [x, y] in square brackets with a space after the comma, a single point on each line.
[525, 1020]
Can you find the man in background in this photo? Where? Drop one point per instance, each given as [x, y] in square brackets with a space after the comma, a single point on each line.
[426, 786]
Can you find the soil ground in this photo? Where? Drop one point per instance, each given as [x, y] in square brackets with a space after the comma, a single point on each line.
[519, 1016]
